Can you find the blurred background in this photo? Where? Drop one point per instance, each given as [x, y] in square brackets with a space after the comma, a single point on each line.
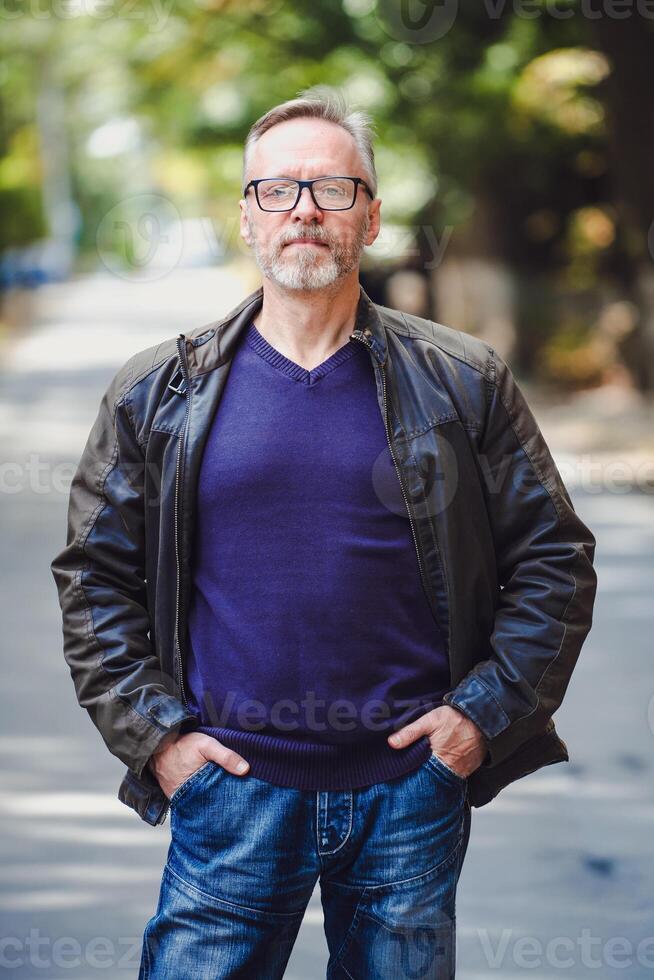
[515, 156]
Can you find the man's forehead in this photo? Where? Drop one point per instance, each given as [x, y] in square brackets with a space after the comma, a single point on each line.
[308, 145]
[290, 167]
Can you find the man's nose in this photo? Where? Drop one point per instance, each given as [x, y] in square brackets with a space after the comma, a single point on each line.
[305, 206]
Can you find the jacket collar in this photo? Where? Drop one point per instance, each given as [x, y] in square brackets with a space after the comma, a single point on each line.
[216, 344]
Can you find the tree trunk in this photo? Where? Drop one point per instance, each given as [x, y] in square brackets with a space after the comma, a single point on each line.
[629, 45]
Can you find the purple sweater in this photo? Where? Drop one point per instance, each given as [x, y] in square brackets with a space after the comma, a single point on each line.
[310, 634]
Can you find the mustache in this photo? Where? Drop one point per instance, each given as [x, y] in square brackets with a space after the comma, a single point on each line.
[313, 235]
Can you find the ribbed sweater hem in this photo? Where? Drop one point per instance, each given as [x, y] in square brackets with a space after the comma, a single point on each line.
[311, 766]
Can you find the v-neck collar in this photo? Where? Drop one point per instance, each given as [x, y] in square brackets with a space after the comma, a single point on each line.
[284, 364]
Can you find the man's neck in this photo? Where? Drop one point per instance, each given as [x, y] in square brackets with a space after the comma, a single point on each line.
[308, 326]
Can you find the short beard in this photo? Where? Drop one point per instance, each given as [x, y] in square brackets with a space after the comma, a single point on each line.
[310, 270]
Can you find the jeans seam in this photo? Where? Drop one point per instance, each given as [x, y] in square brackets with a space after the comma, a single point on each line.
[147, 966]
[437, 869]
[377, 889]
[349, 829]
[342, 949]
[233, 905]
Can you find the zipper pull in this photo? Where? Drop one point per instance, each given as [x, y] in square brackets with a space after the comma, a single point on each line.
[182, 371]
[182, 387]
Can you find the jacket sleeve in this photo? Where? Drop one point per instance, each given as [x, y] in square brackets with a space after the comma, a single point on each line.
[544, 556]
[100, 577]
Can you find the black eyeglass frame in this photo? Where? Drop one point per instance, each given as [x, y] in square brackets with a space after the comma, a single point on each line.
[309, 183]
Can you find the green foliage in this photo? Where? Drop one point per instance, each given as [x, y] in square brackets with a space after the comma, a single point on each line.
[502, 109]
[21, 216]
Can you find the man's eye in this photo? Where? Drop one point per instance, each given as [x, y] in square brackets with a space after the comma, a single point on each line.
[332, 190]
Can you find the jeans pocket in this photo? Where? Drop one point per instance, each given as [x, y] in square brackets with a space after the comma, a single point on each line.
[436, 763]
[183, 787]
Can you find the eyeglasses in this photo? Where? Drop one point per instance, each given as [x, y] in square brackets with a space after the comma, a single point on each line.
[328, 193]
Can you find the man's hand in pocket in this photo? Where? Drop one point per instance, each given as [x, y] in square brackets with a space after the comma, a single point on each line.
[179, 757]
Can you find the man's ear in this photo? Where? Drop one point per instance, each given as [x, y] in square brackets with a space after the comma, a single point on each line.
[374, 215]
[246, 235]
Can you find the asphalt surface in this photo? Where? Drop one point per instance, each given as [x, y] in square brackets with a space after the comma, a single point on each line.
[558, 878]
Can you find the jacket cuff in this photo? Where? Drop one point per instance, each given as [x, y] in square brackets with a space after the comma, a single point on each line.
[473, 699]
[168, 715]
[144, 795]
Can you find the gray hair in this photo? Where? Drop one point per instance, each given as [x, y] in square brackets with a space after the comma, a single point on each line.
[320, 102]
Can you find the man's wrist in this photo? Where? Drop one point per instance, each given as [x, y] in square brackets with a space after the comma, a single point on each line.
[169, 739]
[483, 740]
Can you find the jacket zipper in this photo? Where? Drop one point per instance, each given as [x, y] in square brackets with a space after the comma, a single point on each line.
[180, 389]
[184, 391]
[358, 335]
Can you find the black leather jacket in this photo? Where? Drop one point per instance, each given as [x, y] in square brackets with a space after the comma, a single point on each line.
[505, 561]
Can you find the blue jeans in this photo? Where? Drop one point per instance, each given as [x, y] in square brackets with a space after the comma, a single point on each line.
[245, 855]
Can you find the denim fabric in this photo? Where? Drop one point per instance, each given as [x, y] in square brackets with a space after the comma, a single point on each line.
[245, 855]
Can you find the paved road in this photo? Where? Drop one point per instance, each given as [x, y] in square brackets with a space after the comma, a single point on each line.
[558, 879]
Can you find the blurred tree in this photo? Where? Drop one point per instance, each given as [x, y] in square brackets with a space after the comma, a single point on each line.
[513, 145]
[629, 44]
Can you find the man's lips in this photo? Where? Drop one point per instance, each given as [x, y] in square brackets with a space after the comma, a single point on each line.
[306, 241]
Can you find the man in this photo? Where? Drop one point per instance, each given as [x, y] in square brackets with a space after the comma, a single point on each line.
[322, 592]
